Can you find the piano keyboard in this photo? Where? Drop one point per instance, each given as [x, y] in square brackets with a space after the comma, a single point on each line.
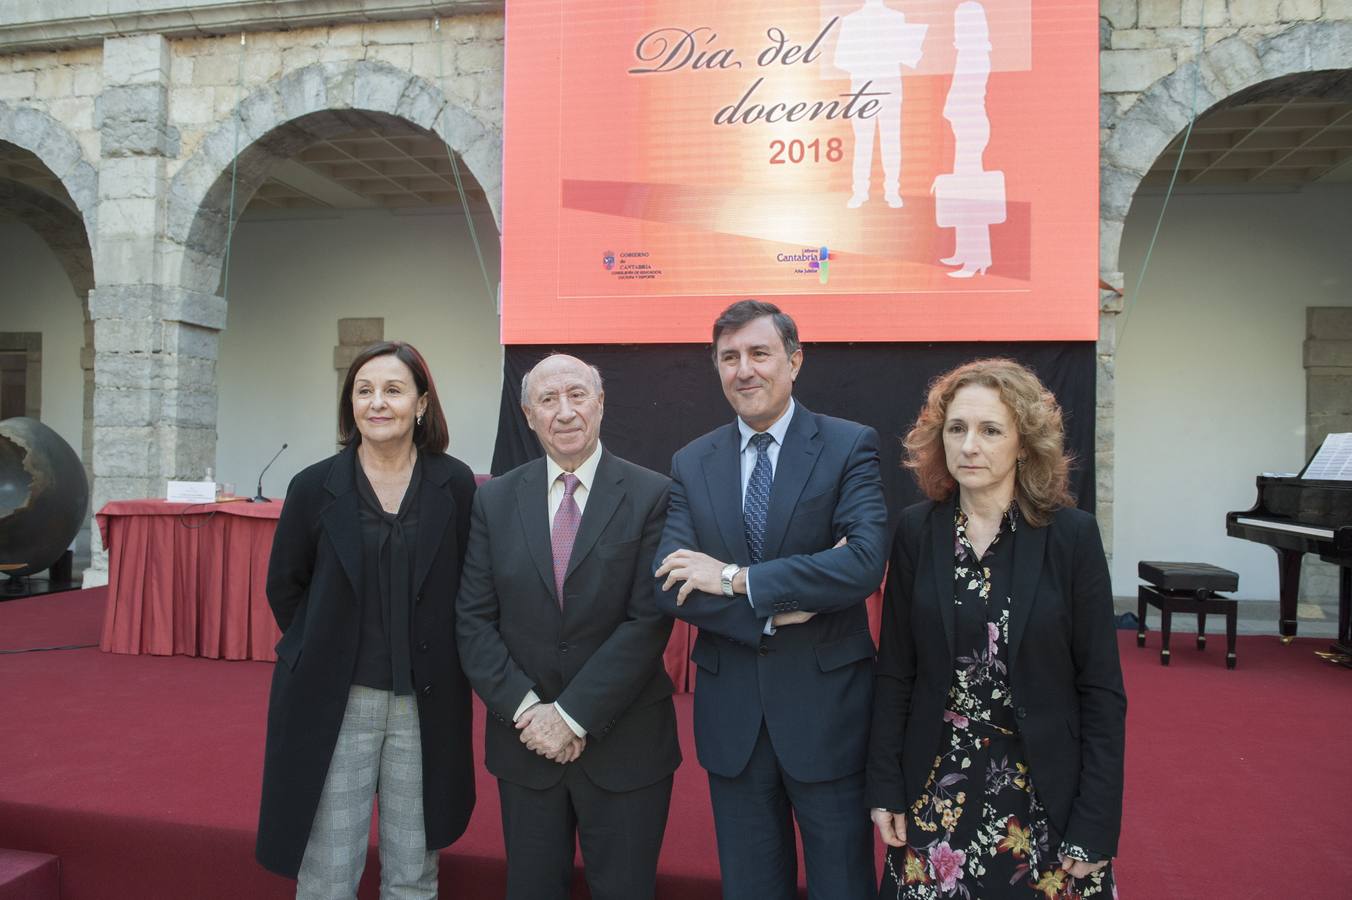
[1325, 533]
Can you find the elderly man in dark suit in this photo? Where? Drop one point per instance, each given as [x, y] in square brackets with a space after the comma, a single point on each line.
[559, 635]
[774, 539]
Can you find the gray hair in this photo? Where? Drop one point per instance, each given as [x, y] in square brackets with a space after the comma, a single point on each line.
[597, 384]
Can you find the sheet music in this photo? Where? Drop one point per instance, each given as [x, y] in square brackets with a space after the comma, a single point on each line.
[1333, 462]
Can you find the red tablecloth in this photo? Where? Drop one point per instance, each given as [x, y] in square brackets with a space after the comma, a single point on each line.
[189, 579]
[202, 591]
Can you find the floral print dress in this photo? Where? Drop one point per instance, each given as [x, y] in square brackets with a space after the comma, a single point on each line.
[978, 831]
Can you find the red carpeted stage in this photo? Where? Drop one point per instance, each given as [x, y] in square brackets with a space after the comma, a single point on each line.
[142, 773]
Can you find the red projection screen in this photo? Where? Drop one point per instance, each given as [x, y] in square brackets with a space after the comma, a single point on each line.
[883, 170]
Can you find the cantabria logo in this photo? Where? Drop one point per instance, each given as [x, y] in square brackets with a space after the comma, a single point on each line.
[809, 261]
[822, 265]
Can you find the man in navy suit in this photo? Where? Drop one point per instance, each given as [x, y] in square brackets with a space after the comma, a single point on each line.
[774, 538]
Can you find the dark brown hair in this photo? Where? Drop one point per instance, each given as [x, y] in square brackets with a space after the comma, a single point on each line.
[1041, 482]
[432, 436]
[744, 312]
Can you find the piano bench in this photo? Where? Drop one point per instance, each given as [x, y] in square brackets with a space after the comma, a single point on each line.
[1187, 588]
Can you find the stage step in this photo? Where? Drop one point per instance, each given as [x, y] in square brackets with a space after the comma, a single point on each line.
[29, 876]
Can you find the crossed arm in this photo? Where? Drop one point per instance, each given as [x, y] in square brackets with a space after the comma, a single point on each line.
[688, 582]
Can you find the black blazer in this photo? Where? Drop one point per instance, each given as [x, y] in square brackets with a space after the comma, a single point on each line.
[811, 683]
[1064, 671]
[313, 578]
[600, 655]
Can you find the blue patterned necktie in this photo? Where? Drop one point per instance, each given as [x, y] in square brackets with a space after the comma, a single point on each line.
[757, 503]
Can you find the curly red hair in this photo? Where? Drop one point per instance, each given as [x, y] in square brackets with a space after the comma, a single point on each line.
[1041, 483]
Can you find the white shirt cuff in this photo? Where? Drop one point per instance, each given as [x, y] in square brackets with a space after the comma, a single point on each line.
[531, 699]
[570, 722]
[770, 622]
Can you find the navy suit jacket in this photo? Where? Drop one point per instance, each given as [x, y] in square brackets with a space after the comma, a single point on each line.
[811, 683]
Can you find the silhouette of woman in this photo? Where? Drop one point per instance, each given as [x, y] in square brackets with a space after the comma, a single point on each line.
[965, 111]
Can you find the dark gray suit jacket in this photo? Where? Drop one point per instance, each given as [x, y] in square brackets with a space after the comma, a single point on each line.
[600, 654]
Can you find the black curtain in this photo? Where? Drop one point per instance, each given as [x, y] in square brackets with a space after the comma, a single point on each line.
[661, 396]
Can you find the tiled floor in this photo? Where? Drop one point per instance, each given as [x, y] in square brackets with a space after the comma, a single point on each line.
[1255, 617]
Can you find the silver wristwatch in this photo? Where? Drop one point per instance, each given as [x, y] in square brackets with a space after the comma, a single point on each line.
[729, 572]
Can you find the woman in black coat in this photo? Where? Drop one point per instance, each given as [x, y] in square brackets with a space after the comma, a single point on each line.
[368, 691]
[996, 753]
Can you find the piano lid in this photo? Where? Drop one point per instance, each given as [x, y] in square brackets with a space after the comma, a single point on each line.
[1318, 503]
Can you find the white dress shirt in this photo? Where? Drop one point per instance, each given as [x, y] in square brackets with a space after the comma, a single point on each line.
[776, 431]
[586, 477]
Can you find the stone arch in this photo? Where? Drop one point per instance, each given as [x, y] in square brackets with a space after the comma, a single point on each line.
[66, 231]
[58, 225]
[50, 141]
[278, 120]
[1225, 69]
[1140, 135]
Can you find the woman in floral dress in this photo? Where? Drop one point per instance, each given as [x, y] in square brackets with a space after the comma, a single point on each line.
[995, 760]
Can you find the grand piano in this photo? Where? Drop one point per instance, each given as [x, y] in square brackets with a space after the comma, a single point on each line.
[1296, 515]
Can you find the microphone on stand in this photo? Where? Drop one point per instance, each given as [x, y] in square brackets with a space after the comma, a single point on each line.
[258, 497]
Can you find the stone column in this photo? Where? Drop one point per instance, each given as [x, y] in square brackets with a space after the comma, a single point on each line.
[1105, 404]
[29, 343]
[354, 335]
[1328, 410]
[1328, 373]
[33, 380]
[155, 345]
[87, 367]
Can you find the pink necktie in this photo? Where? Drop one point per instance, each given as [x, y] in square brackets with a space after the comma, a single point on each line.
[566, 521]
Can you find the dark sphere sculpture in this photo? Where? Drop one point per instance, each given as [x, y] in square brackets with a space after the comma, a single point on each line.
[44, 496]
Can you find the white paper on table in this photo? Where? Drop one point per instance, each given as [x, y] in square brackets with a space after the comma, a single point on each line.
[191, 492]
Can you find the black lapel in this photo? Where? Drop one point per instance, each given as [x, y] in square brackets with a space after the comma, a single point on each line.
[436, 509]
[942, 542]
[1030, 545]
[603, 498]
[532, 503]
[723, 479]
[799, 454]
[341, 519]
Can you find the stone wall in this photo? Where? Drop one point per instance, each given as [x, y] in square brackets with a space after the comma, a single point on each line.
[1328, 410]
[1328, 373]
[146, 133]
[1162, 62]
